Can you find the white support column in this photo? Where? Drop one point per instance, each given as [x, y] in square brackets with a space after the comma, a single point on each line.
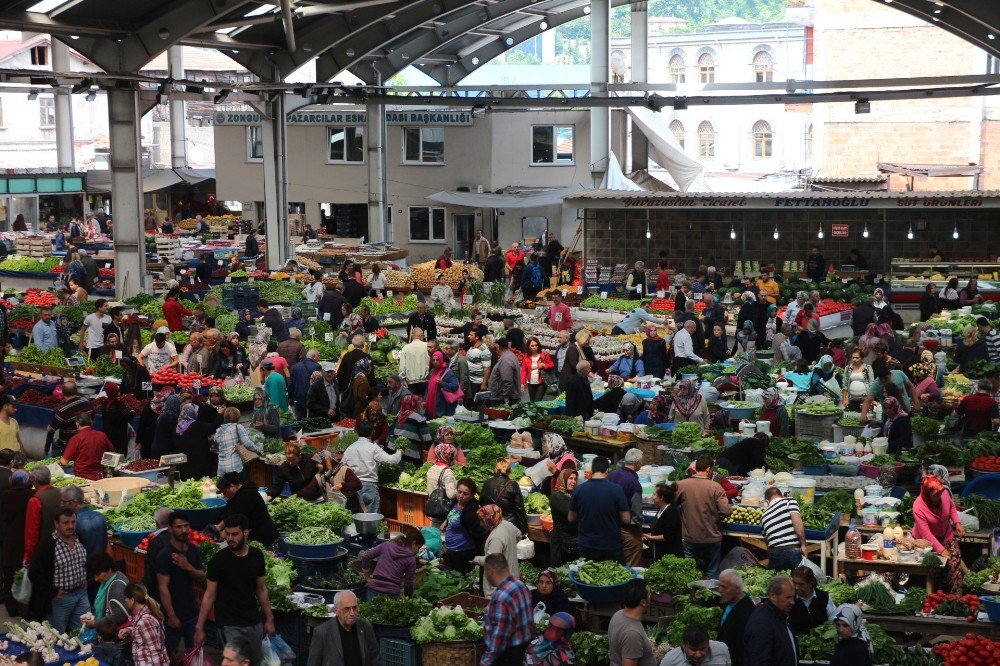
[126, 186]
[600, 126]
[640, 74]
[178, 112]
[273, 132]
[64, 109]
[375, 146]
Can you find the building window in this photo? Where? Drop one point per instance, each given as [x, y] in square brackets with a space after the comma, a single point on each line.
[423, 145]
[763, 67]
[255, 143]
[40, 55]
[677, 128]
[426, 224]
[552, 144]
[706, 68]
[46, 111]
[676, 69]
[347, 144]
[706, 140]
[763, 139]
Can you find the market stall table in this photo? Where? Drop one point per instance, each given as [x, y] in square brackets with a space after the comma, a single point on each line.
[932, 627]
[827, 545]
[981, 538]
[614, 451]
[848, 565]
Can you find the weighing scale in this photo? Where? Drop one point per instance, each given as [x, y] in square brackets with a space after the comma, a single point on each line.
[173, 461]
[109, 461]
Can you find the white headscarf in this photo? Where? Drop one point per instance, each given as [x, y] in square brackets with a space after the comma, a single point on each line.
[852, 616]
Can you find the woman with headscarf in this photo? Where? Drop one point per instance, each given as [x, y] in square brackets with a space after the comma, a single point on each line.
[257, 348]
[504, 492]
[774, 412]
[688, 405]
[136, 375]
[147, 421]
[563, 537]
[745, 336]
[629, 408]
[878, 299]
[374, 415]
[930, 303]
[442, 387]
[441, 475]
[14, 509]
[445, 435]
[745, 455]
[718, 345]
[242, 327]
[166, 426]
[748, 310]
[501, 537]
[463, 534]
[352, 325]
[896, 426]
[265, 414]
[772, 326]
[657, 412]
[196, 441]
[412, 424]
[923, 374]
[338, 482]
[553, 647]
[628, 366]
[654, 353]
[855, 645]
[936, 519]
[970, 293]
[824, 375]
[868, 342]
[548, 592]
[558, 458]
[116, 418]
[612, 397]
[970, 348]
[809, 341]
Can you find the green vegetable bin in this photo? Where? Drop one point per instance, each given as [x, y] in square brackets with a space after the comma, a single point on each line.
[211, 514]
[599, 594]
[313, 551]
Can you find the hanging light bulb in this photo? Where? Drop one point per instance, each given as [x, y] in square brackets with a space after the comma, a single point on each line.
[954, 234]
[909, 233]
[864, 234]
[776, 232]
[820, 234]
[648, 235]
[732, 233]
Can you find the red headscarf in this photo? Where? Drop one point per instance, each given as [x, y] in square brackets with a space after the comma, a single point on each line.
[409, 406]
[112, 390]
[930, 487]
[434, 382]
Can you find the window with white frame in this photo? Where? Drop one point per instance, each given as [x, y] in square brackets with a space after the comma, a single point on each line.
[423, 145]
[426, 224]
[677, 129]
[676, 65]
[763, 67]
[706, 68]
[763, 139]
[552, 144]
[706, 139]
[347, 144]
[255, 143]
[46, 111]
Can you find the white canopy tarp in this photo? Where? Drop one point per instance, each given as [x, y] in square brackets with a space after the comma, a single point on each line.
[665, 150]
[153, 180]
[521, 199]
[615, 178]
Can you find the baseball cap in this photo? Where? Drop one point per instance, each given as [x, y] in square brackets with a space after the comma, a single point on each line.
[328, 367]
[267, 365]
[164, 330]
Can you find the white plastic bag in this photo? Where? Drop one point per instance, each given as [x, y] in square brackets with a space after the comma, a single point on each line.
[820, 576]
[969, 520]
[21, 589]
[525, 549]
[268, 656]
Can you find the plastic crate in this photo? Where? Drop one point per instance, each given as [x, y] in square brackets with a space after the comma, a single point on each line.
[135, 563]
[261, 474]
[410, 508]
[817, 426]
[399, 652]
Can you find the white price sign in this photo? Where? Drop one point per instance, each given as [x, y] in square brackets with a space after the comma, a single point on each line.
[328, 337]
[326, 316]
[564, 292]
[107, 265]
[604, 295]
[312, 332]
[250, 279]
[388, 294]
[579, 290]
[466, 300]
[229, 279]
[661, 294]
[294, 281]
[147, 386]
[197, 385]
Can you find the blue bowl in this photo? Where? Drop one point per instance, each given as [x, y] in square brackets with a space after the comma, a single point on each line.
[738, 412]
[599, 594]
[321, 551]
[645, 394]
[992, 607]
[211, 514]
[131, 539]
[815, 470]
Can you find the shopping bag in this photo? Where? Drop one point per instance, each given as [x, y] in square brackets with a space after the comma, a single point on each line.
[268, 656]
[196, 657]
[282, 649]
[21, 589]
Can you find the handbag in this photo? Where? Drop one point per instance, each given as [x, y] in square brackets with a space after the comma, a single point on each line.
[245, 454]
[437, 505]
[453, 397]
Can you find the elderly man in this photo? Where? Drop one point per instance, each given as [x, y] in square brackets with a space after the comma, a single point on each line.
[424, 320]
[292, 349]
[329, 308]
[161, 538]
[714, 312]
[392, 398]
[43, 509]
[505, 378]
[91, 527]
[346, 639]
[64, 416]
[579, 396]
[414, 362]
[636, 283]
[737, 606]
[684, 349]
[697, 650]
[792, 311]
[300, 381]
[627, 478]
[212, 342]
[713, 278]
[560, 353]
[508, 624]
[195, 356]
[635, 320]
[768, 639]
[322, 397]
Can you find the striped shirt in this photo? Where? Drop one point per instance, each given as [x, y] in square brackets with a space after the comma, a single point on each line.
[993, 345]
[776, 523]
[479, 359]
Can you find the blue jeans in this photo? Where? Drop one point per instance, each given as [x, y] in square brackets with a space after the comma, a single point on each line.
[706, 555]
[369, 493]
[779, 559]
[67, 609]
[174, 636]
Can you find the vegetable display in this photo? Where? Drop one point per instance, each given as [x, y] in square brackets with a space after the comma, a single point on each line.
[279, 574]
[138, 524]
[692, 614]
[328, 514]
[32, 354]
[972, 649]
[841, 593]
[603, 573]
[591, 649]
[837, 500]
[238, 393]
[285, 512]
[184, 496]
[756, 579]
[388, 611]
[447, 624]
[440, 584]
[819, 643]
[671, 575]
[536, 503]
[313, 536]
[875, 594]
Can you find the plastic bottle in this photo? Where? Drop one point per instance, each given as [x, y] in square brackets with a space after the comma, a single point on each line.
[889, 543]
[859, 499]
[852, 542]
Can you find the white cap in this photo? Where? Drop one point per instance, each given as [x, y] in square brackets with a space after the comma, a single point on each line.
[164, 330]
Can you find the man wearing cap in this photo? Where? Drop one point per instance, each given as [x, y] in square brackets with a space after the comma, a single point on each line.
[10, 431]
[322, 397]
[627, 478]
[299, 383]
[160, 353]
[274, 385]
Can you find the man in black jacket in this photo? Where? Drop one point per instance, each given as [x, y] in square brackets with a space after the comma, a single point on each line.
[331, 304]
[322, 397]
[863, 315]
[271, 317]
[737, 607]
[353, 291]
[423, 320]
[767, 639]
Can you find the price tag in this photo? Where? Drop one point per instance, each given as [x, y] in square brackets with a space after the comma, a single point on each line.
[604, 295]
[579, 290]
[326, 316]
[539, 310]
[197, 385]
[117, 355]
[372, 337]
[564, 292]
[107, 265]
[229, 279]
[466, 300]
[147, 386]
[312, 332]
[191, 280]
[661, 294]
[328, 337]
[878, 277]
[388, 294]
[638, 288]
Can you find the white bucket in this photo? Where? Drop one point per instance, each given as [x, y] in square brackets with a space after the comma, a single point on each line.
[873, 490]
[593, 428]
[880, 445]
[945, 334]
[804, 488]
[748, 428]
[764, 427]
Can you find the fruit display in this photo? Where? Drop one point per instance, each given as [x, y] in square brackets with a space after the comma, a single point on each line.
[972, 649]
[39, 298]
[986, 463]
[142, 465]
[397, 280]
[425, 274]
[951, 605]
[33, 397]
[744, 515]
[171, 377]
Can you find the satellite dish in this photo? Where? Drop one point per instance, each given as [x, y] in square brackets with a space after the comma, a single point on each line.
[619, 63]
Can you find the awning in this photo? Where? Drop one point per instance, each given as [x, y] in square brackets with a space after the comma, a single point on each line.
[513, 199]
[153, 180]
[665, 150]
[615, 178]
[931, 170]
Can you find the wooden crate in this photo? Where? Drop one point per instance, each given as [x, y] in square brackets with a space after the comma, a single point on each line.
[261, 474]
[410, 508]
[135, 563]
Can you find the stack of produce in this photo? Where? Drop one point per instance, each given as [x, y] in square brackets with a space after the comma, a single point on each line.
[32, 354]
[171, 377]
[972, 649]
[397, 280]
[425, 275]
[744, 515]
[446, 624]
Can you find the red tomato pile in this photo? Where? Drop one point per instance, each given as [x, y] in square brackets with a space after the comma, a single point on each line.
[194, 537]
[346, 423]
[106, 272]
[142, 465]
[22, 323]
[133, 403]
[39, 298]
[970, 601]
[986, 463]
[33, 397]
[171, 377]
[827, 306]
[973, 649]
[667, 305]
[381, 332]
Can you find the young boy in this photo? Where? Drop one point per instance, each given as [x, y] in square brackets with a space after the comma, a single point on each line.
[107, 649]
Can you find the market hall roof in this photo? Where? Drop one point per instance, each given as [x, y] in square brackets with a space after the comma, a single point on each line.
[373, 39]
[597, 198]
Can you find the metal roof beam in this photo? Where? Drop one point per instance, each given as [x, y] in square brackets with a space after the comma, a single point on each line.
[974, 22]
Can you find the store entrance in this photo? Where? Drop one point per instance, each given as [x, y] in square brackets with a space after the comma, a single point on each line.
[345, 220]
[464, 230]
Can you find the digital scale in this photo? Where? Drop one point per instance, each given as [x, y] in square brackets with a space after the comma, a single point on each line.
[172, 461]
[109, 461]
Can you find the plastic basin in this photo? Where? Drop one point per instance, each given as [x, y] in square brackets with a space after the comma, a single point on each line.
[738, 412]
[211, 514]
[599, 594]
[131, 539]
[871, 471]
[315, 551]
[991, 604]
[987, 485]
[815, 470]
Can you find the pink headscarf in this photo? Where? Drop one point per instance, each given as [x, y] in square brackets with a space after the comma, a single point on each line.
[434, 382]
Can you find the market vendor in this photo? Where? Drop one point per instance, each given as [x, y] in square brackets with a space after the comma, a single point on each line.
[558, 315]
[299, 472]
[630, 407]
[173, 311]
[813, 606]
[883, 375]
[547, 591]
[825, 378]
[896, 426]
[684, 353]
[579, 396]
[633, 321]
[246, 500]
[609, 402]
[396, 562]
[688, 405]
[85, 449]
[628, 365]
[774, 412]
[979, 411]
[936, 520]
[159, 354]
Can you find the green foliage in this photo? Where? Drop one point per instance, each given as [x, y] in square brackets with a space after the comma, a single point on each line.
[285, 512]
[692, 614]
[671, 575]
[591, 649]
[536, 503]
[32, 354]
[402, 612]
[440, 584]
[105, 367]
[327, 514]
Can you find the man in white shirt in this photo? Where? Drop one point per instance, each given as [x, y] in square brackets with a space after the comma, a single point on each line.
[684, 347]
[414, 362]
[160, 353]
[697, 650]
[92, 333]
[363, 457]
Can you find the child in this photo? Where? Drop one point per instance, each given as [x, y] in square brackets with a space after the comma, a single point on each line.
[107, 649]
[30, 658]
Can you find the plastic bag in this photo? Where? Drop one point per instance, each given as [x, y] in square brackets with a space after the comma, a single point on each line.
[820, 576]
[268, 656]
[21, 589]
[868, 432]
[969, 520]
[282, 649]
[197, 657]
